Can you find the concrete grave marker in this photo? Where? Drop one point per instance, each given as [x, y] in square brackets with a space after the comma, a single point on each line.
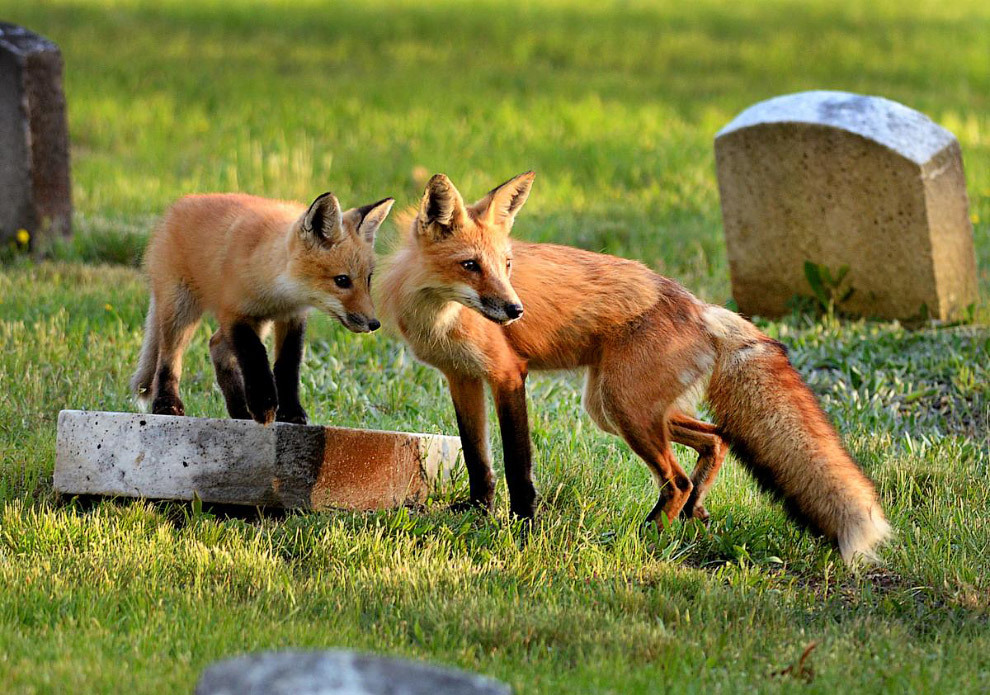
[338, 673]
[242, 462]
[34, 139]
[840, 179]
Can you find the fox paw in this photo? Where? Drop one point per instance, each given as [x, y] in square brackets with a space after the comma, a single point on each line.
[462, 506]
[264, 417]
[167, 405]
[523, 503]
[239, 413]
[263, 406]
[296, 416]
[695, 510]
[699, 513]
[525, 510]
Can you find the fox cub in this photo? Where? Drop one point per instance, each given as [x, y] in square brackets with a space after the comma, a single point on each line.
[252, 262]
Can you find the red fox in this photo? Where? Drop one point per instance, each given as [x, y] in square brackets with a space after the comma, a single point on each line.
[252, 262]
[481, 308]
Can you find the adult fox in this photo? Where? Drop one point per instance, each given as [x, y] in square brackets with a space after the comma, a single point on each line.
[252, 262]
[457, 290]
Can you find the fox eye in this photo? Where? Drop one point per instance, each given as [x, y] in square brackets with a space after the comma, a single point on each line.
[471, 266]
[369, 279]
[343, 281]
[508, 264]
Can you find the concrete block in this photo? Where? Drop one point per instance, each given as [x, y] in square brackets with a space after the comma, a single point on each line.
[841, 179]
[242, 462]
[338, 673]
[35, 194]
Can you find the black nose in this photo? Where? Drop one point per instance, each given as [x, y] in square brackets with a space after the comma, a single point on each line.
[374, 325]
[513, 311]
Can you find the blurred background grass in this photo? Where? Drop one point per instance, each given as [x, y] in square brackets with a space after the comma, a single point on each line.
[614, 104]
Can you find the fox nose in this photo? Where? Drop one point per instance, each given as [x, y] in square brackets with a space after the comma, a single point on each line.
[513, 311]
[358, 322]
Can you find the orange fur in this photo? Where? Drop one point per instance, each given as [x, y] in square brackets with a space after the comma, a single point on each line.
[647, 345]
[252, 261]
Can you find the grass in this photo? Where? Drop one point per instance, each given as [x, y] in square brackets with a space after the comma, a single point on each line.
[615, 107]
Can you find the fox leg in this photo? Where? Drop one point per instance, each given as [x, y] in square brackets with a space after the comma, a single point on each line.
[289, 349]
[468, 395]
[259, 382]
[229, 376]
[647, 436]
[704, 438]
[617, 408]
[178, 315]
[513, 421]
[653, 446]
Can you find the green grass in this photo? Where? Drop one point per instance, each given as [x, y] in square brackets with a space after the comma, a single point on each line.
[615, 107]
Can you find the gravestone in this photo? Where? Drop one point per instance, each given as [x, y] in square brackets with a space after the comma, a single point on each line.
[840, 179]
[169, 457]
[338, 673]
[34, 139]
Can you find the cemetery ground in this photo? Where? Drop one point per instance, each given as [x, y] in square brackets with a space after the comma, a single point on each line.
[616, 112]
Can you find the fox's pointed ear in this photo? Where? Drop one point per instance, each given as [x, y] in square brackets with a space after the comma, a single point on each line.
[366, 219]
[503, 202]
[441, 212]
[323, 221]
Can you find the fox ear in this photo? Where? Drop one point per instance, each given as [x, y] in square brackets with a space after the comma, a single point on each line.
[323, 221]
[503, 202]
[366, 219]
[441, 212]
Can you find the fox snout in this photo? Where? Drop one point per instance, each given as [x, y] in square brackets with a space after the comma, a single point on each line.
[359, 323]
[500, 310]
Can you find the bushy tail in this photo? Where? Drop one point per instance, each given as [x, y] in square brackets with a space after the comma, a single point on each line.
[144, 376]
[777, 430]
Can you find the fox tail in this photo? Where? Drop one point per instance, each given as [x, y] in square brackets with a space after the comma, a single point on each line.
[776, 428]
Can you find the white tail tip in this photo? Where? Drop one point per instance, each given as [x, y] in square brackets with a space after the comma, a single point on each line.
[859, 542]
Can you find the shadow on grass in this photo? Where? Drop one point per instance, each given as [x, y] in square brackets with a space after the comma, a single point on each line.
[179, 513]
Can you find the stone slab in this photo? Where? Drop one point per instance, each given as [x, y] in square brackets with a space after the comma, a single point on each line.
[35, 192]
[338, 673]
[841, 179]
[241, 462]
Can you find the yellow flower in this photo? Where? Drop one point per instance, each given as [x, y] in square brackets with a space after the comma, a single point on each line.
[23, 237]
[974, 218]
[108, 307]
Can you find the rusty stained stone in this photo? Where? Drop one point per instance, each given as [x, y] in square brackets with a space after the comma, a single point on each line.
[35, 192]
[241, 462]
[355, 463]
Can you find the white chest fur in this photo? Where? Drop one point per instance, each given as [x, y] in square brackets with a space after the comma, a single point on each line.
[434, 332]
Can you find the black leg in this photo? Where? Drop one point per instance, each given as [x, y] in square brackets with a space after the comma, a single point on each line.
[513, 420]
[229, 377]
[259, 383]
[469, 405]
[288, 356]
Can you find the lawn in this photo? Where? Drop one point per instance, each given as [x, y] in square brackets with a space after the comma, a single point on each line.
[615, 106]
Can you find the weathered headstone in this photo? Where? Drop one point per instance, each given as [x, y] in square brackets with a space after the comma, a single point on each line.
[242, 462]
[338, 673]
[840, 179]
[34, 139]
